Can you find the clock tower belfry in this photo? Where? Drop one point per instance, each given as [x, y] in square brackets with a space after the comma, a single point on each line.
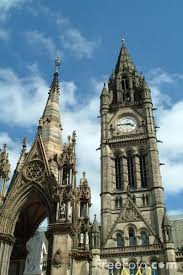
[132, 203]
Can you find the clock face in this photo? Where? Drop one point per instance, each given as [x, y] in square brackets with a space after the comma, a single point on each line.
[126, 124]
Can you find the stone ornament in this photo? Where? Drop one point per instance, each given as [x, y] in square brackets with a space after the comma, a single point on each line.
[130, 214]
[34, 170]
[57, 259]
[180, 269]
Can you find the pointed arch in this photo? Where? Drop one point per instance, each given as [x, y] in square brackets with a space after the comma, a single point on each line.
[16, 202]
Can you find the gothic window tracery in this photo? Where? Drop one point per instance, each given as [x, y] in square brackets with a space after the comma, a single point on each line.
[119, 240]
[143, 171]
[132, 237]
[66, 174]
[133, 268]
[118, 164]
[83, 210]
[144, 238]
[154, 268]
[118, 202]
[130, 165]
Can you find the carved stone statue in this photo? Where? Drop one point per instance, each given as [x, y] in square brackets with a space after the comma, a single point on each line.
[81, 238]
[36, 249]
[69, 211]
[62, 210]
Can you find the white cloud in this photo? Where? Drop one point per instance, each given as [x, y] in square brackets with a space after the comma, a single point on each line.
[4, 35]
[175, 212]
[78, 44]
[26, 96]
[7, 5]
[169, 117]
[159, 77]
[42, 43]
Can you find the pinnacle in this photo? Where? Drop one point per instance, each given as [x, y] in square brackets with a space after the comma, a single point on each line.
[95, 226]
[124, 60]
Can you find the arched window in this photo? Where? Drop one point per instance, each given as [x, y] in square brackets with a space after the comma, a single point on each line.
[130, 164]
[112, 269]
[143, 173]
[118, 171]
[144, 238]
[133, 268]
[132, 237]
[119, 240]
[65, 180]
[118, 202]
[154, 268]
[83, 210]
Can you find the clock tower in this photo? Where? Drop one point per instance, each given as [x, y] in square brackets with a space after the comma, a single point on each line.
[133, 216]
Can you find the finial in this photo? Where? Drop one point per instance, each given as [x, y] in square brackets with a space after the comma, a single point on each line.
[57, 64]
[104, 84]
[123, 42]
[69, 138]
[74, 137]
[84, 175]
[4, 147]
[24, 145]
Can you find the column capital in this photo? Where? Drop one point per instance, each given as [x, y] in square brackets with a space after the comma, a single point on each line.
[7, 238]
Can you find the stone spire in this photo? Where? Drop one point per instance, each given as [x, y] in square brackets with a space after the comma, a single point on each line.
[95, 226]
[50, 123]
[95, 233]
[124, 60]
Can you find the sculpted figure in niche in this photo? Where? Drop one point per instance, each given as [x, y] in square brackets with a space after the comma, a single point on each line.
[62, 210]
[69, 211]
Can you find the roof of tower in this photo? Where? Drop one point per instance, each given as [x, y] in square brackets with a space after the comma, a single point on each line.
[95, 226]
[50, 122]
[124, 60]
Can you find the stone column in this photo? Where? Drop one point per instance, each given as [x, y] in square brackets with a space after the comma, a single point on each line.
[137, 171]
[60, 245]
[6, 246]
[124, 173]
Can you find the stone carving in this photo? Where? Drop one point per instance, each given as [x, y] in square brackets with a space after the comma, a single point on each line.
[69, 211]
[62, 210]
[34, 170]
[130, 213]
[57, 259]
[36, 248]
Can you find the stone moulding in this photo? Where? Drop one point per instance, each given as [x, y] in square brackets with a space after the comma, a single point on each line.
[63, 228]
[9, 239]
[81, 255]
[132, 250]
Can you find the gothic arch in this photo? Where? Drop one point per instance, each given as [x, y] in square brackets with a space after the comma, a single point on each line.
[117, 153]
[130, 151]
[16, 202]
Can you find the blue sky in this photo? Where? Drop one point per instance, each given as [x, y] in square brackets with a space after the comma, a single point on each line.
[87, 35]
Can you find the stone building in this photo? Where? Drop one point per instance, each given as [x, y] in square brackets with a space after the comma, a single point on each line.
[135, 234]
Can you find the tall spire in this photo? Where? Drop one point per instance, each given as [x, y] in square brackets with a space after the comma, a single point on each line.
[50, 123]
[124, 60]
